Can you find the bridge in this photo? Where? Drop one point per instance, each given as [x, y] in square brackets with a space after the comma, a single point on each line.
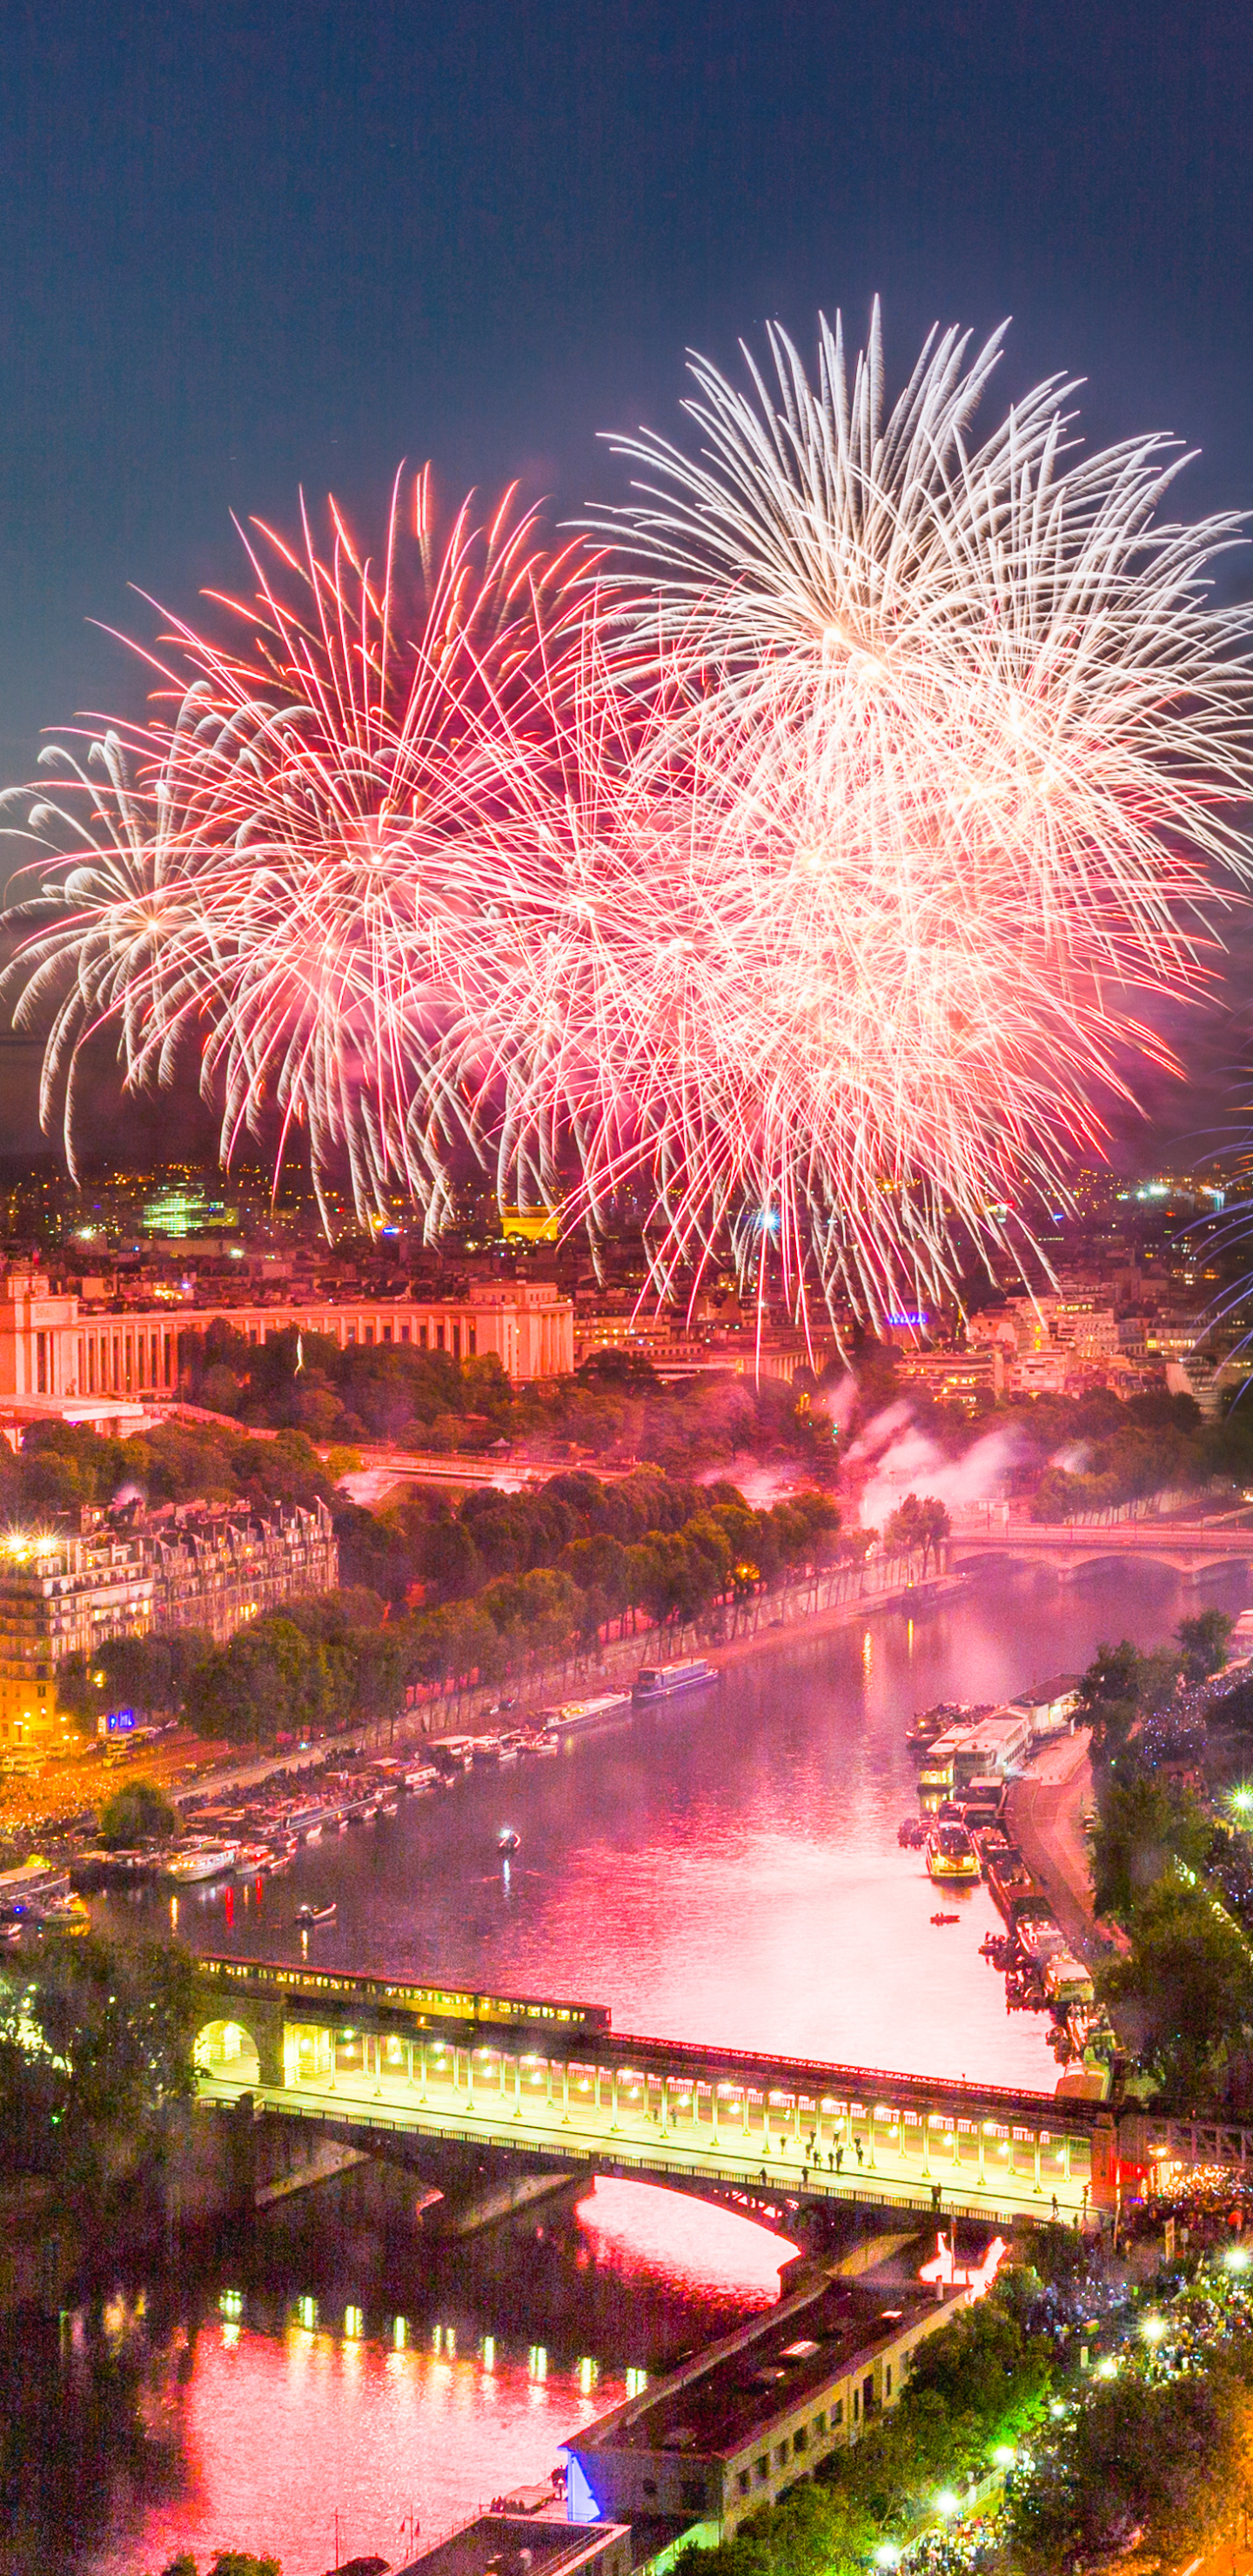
[1192, 1549]
[549, 2086]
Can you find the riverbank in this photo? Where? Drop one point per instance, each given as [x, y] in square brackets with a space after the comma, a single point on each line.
[1049, 1808]
[850, 1595]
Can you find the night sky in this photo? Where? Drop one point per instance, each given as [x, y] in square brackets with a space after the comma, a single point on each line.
[251, 247]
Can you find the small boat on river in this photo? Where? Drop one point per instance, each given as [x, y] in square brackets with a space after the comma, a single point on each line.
[951, 1853]
[308, 1915]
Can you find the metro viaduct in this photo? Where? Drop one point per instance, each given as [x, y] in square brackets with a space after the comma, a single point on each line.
[546, 2086]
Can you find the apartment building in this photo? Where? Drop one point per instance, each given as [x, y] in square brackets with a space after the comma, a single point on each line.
[195, 1565]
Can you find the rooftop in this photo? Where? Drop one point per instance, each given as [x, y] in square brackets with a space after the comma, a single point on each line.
[510, 2544]
[714, 2406]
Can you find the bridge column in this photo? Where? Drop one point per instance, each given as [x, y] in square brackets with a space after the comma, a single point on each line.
[517, 2085]
[983, 2156]
[613, 2101]
[870, 2128]
[1039, 2186]
[565, 2093]
[422, 2072]
[926, 2145]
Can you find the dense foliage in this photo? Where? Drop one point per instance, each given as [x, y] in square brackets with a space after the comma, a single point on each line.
[95, 2046]
[496, 1587]
[138, 1813]
[615, 1406]
[1176, 1875]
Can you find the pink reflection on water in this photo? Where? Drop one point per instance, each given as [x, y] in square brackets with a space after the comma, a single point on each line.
[279, 2433]
[696, 2246]
[268, 2436]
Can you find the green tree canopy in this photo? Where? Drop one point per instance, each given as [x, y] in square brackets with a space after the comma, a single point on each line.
[95, 2046]
[138, 1813]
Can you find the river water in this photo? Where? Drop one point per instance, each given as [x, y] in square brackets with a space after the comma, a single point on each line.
[726, 1870]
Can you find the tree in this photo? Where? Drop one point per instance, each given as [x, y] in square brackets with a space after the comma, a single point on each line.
[1163, 2458]
[1143, 1825]
[1184, 1998]
[1203, 1642]
[95, 2046]
[1109, 1695]
[139, 1813]
[270, 1675]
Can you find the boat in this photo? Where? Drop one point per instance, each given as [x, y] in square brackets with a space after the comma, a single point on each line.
[946, 1918]
[575, 1716]
[451, 1754]
[422, 1779]
[665, 1681]
[507, 1842]
[927, 1723]
[62, 1914]
[200, 1861]
[307, 1915]
[33, 1881]
[1067, 1981]
[252, 1856]
[486, 1750]
[951, 1853]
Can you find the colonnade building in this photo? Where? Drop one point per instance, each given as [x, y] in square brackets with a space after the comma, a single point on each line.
[54, 1344]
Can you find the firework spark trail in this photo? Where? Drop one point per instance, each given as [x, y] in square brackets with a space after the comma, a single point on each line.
[287, 870]
[818, 870]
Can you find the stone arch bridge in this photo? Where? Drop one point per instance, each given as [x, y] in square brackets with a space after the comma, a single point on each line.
[1193, 1550]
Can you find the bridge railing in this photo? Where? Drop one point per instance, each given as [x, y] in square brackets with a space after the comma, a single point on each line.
[612, 2157]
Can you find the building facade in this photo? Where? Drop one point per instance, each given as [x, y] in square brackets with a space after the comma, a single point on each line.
[203, 1566]
[729, 2431]
[56, 1345]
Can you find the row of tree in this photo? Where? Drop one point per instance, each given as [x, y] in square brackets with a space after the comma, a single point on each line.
[1175, 1875]
[321, 1663]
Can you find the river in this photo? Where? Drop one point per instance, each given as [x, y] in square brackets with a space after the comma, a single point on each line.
[727, 1870]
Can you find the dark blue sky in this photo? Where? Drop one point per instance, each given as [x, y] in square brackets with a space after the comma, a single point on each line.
[250, 246]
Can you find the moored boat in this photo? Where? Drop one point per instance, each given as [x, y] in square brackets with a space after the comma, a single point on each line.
[200, 1861]
[664, 1681]
[576, 1715]
[951, 1853]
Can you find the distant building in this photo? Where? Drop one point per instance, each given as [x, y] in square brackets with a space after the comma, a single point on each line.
[60, 1345]
[969, 1378]
[196, 1565]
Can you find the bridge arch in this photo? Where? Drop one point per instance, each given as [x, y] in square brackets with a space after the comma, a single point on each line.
[227, 2048]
